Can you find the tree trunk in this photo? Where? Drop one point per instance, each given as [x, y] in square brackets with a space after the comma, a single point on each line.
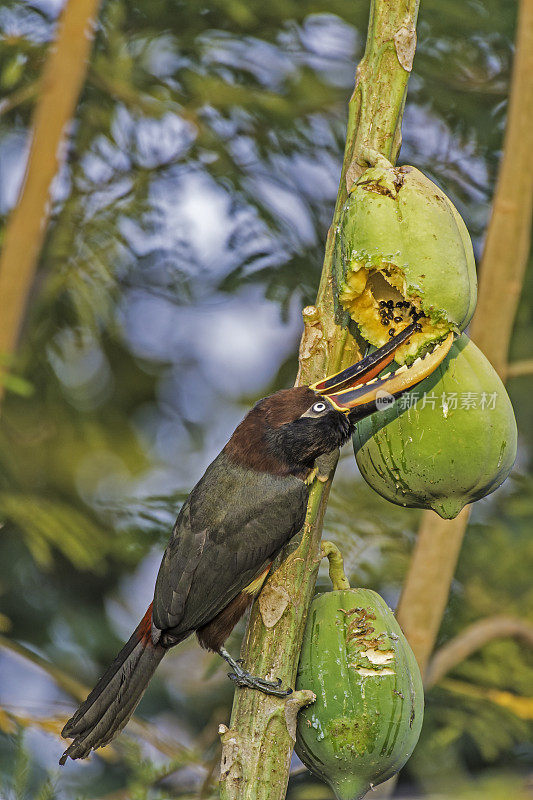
[256, 750]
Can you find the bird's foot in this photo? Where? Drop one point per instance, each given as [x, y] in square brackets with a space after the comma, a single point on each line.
[242, 677]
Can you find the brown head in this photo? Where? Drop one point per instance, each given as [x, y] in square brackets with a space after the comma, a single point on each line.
[286, 432]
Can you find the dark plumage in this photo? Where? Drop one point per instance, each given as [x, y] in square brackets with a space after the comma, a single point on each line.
[249, 503]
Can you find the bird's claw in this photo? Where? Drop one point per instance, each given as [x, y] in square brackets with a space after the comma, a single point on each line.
[242, 677]
[252, 682]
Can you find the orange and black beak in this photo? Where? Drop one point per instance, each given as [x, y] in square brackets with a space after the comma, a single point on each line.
[354, 391]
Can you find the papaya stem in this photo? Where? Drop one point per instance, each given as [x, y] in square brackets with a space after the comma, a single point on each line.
[261, 740]
[336, 565]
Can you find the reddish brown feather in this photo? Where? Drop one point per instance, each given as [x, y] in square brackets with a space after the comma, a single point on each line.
[248, 445]
[287, 405]
[213, 635]
[144, 628]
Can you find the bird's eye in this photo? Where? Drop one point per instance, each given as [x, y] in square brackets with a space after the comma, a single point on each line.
[319, 407]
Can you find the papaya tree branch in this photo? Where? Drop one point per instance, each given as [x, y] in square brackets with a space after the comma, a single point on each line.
[426, 589]
[473, 638]
[258, 745]
[519, 369]
[60, 86]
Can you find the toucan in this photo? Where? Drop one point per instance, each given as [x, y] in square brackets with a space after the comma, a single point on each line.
[248, 504]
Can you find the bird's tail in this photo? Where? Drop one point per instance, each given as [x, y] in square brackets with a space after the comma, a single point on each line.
[114, 698]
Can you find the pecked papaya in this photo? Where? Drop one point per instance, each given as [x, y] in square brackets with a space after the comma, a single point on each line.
[369, 705]
[403, 253]
[450, 441]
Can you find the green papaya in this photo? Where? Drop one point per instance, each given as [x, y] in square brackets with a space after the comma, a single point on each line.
[369, 705]
[403, 252]
[450, 441]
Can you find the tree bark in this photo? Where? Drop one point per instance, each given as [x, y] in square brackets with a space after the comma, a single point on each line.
[426, 589]
[60, 86]
[257, 748]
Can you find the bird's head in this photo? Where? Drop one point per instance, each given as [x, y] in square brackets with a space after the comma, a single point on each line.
[287, 431]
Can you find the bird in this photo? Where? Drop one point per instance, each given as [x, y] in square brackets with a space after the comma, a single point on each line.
[249, 503]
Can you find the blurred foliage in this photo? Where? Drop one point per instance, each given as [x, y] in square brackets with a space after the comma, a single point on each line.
[19, 781]
[188, 225]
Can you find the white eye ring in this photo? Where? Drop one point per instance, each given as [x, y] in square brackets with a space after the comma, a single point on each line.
[319, 407]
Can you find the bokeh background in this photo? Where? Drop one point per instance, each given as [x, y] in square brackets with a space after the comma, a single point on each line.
[187, 233]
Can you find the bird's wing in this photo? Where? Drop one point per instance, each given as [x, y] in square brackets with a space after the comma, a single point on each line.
[234, 521]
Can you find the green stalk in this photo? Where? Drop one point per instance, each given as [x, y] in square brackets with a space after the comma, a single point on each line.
[257, 748]
[336, 565]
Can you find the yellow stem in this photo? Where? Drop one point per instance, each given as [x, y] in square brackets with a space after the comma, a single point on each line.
[60, 85]
[336, 565]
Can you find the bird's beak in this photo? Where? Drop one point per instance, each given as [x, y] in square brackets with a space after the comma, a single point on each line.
[356, 389]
